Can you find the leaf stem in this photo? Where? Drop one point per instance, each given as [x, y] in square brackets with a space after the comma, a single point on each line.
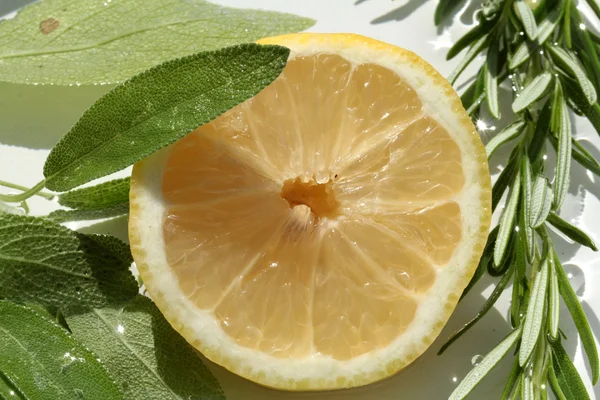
[27, 192]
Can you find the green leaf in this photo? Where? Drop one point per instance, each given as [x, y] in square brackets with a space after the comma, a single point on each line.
[583, 326]
[545, 29]
[88, 41]
[8, 391]
[525, 214]
[594, 5]
[491, 80]
[554, 385]
[540, 133]
[526, 387]
[571, 231]
[487, 306]
[475, 49]
[567, 61]
[444, 9]
[563, 159]
[43, 262]
[106, 200]
[511, 381]
[535, 314]
[527, 18]
[468, 38]
[553, 303]
[581, 155]
[557, 103]
[485, 366]
[158, 107]
[507, 222]
[486, 258]
[507, 134]
[44, 362]
[576, 95]
[147, 357]
[567, 377]
[532, 92]
[541, 201]
[505, 178]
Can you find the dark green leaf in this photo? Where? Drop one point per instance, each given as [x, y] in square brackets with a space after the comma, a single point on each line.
[468, 38]
[484, 261]
[504, 179]
[590, 49]
[557, 103]
[583, 327]
[567, 377]
[507, 221]
[532, 92]
[525, 213]
[511, 381]
[539, 135]
[474, 377]
[8, 391]
[563, 159]
[489, 303]
[504, 136]
[580, 154]
[158, 107]
[571, 231]
[592, 112]
[44, 362]
[107, 194]
[545, 29]
[88, 41]
[147, 357]
[43, 262]
[535, 314]
[444, 9]
[568, 62]
[554, 385]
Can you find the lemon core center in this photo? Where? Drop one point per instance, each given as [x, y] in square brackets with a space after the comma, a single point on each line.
[319, 197]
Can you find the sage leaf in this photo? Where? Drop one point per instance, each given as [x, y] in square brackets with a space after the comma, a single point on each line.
[507, 222]
[571, 231]
[541, 201]
[570, 64]
[535, 314]
[475, 49]
[489, 303]
[44, 362]
[507, 134]
[527, 18]
[106, 200]
[532, 92]
[583, 326]
[553, 303]
[545, 29]
[146, 356]
[563, 159]
[158, 107]
[45, 263]
[485, 366]
[567, 377]
[65, 42]
[491, 81]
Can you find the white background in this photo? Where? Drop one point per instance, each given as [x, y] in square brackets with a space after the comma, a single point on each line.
[33, 118]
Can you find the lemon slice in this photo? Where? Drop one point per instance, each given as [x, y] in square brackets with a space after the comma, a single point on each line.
[318, 235]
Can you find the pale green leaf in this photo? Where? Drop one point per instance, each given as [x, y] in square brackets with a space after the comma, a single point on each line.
[60, 216]
[532, 92]
[569, 63]
[147, 357]
[527, 231]
[485, 366]
[545, 29]
[507, 222]
[45, 363]
[541, 201]
[527, 19]
[535, 314]
[526, 387]
[507, 134]
[8, 391]
[475, 49]
[43, 262]
[6, 209]
[158, 107]
[553, 303]
[491, 81]
[563, 159]
[579, 318]
[567, 377]
[89, 41]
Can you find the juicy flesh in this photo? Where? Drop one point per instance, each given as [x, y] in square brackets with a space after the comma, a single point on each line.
[311, 219]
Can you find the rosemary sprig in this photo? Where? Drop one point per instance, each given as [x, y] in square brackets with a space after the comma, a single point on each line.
[544, 52]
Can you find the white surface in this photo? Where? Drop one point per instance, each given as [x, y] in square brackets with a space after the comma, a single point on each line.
[33, 118]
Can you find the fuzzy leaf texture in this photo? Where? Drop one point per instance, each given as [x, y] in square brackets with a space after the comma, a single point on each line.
[158, 107]
[43, 362]
[148, 359]
[43, 262]
[106, 200]
[68, 42]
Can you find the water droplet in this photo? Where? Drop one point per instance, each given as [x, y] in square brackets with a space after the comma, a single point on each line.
[476, 360]
[576, 277]
[120, 329]
[454, 379]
